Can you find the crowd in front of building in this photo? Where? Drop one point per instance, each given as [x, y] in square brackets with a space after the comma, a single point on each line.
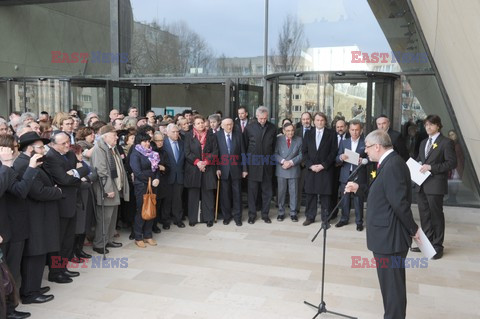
[66, 182]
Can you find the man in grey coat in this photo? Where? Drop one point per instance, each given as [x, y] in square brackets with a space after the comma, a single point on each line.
[288, 155]
[111, 185]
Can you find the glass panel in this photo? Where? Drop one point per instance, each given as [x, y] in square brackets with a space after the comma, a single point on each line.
[89, 99]
[3, 99]
[350, 100]
[421, 96]
[123, 98]
[195, 38]
[43, 95]
[250, 94]
[56, 38]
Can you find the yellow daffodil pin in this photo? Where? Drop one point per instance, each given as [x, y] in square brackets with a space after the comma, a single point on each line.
[434, 145]
[374, 174]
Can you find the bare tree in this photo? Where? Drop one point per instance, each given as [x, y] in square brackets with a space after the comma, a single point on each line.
[291, 42]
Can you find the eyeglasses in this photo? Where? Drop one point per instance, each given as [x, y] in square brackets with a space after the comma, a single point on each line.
[368, 146]
[39, 147]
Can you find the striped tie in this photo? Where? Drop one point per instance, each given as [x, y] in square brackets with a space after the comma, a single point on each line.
[429, 147]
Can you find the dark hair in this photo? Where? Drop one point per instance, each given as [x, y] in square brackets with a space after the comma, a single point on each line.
[287, 125]
[434, 119]
[44, 112]
[77, 149]
[382, 115]
[140, 137]
[7, 141]
[144, 129]
[309, 114]
[83, 132]
[321, 114]
[198, 116]
[187, 111]
[97, 126]
[286, 119]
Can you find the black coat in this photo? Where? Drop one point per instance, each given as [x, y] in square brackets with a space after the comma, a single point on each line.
[231, 163]
[14, 224]
[42, 203]
[398, 143]
[163, 188]
[57, 165]
[442, 159]
[390, 223]
[260, 143]
[193, 152]
[320, 183]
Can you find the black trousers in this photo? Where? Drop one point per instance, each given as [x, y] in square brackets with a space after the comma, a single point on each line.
[253, 191]
[311, 209]
[67, 240]
[393, 287]
[172, 208]
[231, 198]
[207, 204]
[32, 273]
[432, 218]
[13, 252]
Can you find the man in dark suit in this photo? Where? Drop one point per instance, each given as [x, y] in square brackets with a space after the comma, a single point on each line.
[437, 153]
[341, 132]
[306, 125]
[319, 150]
[398, 142]
[174, 147]
[355, 143]
[62, 165]
[230, 171]
[288, 154]
[260, 139]
[242, 121]
[390, 224]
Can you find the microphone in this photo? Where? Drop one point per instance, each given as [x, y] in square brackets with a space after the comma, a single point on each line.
[353, 175]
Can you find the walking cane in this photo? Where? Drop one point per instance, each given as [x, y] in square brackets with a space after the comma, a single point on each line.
[216, 206]
[103, 182]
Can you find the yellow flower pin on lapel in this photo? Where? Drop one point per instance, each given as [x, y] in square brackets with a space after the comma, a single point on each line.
[374, 174]
[434, 145]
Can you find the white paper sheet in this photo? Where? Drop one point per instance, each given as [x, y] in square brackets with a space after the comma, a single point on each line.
[425, 246]
[353, 157]
[414, 167]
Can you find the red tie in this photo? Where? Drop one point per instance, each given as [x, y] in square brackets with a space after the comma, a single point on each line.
[378, 165]
[243, 126]
[288, 142]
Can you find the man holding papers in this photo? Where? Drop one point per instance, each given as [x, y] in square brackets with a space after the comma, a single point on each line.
[350, 153]
[437, 154]
[390, 224]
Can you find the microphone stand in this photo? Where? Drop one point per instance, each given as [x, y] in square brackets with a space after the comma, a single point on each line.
[322, 307]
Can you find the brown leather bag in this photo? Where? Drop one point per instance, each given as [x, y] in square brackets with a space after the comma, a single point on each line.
[149, 207]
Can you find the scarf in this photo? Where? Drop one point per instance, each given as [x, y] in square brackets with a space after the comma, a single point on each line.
[152, 156]
[201, 137]
[112, 163]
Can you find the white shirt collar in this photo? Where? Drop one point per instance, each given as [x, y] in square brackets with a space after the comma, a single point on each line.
[320, 131]
[384, 155]
[434, 137]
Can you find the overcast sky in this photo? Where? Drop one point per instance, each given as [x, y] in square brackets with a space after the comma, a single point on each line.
[236, 28]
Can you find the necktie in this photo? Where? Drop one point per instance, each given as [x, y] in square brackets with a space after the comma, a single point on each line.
[229, 143]
[319, 136]
[175, 150]
[429, 147]
[304, 130]
[378, 166]
[243, 125]
[288, 142]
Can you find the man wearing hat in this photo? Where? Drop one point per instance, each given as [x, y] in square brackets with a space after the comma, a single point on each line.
[66, 171]
[112, 184]
[44, 220]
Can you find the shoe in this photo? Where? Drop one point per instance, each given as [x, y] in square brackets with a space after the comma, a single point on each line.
[132, 236]
[69, 273]
[227, 221]
[307, 222]
[44, 290]
[37, 299]
[280, 218]
[267, 220]
[210, 223]
[238, 223]
[156, 230]
[359, 227]
[114, 245]
[80, 254]
[167, 227]
[18, 315]
[190, 224]
[140, 243]
[150, 241]
[251, 220]
[182, 225]
[415, 249]
[294, 218]
[59, 279]
[341, 223]
[100, 250]
[438, 255]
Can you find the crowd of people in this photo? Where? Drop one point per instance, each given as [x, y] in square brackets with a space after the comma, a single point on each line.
[68, 181]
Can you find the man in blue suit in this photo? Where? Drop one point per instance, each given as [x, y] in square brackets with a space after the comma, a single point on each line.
[355, 143]
[173, 145]
[230, 171]
[288, 155]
